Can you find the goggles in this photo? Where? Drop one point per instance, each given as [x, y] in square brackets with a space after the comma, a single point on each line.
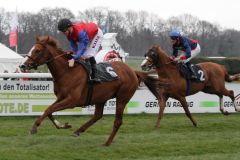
[174, 38]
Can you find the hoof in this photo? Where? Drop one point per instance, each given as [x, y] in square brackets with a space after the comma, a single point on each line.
[195, 125]
[76, 134]
[226, 113]
[106, 144]
[67, 126]
[33, 131]
[237, 109]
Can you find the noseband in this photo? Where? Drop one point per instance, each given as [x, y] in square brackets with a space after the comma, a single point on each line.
[35, 63]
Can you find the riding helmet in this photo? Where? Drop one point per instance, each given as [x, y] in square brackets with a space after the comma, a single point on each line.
[175, 34]
[63, 24]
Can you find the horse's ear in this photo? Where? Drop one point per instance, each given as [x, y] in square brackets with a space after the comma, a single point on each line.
[37, 38]
[47, 38]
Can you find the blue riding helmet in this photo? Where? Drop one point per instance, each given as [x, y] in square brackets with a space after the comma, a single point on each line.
[175, 34]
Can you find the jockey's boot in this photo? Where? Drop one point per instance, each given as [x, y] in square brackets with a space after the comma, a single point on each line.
[93, 79]
[193, 74]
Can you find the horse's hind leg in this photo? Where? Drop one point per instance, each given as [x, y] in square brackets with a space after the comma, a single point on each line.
[230, 94]
[117, 122]
[97, 115]
[187, 112]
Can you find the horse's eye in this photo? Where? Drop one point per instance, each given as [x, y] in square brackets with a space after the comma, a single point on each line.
[37, 51]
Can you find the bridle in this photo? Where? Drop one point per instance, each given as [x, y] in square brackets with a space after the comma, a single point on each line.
[153, 59]
[35, 63]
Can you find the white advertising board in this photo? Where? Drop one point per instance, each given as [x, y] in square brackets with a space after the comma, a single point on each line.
[19, 98]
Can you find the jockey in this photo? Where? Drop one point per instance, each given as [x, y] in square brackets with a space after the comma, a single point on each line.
[85, 40]
[190, 47]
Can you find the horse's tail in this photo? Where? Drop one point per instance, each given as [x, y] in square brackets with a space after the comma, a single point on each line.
[152, 83]
[230, 78]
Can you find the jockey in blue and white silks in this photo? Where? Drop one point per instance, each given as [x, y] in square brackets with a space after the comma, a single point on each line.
[190, 47]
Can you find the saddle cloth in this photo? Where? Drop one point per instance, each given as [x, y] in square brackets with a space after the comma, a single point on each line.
[188, 75]
[105, 72]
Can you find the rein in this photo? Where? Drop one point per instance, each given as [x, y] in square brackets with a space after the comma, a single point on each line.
[35, 63]
[41, 54]
[157, 64]
[54, 58]
[166, 63]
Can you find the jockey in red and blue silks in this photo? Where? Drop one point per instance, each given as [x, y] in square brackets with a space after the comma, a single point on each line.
[85, 40]
[190, 47]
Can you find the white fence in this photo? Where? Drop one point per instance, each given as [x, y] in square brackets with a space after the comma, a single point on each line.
[18, 98]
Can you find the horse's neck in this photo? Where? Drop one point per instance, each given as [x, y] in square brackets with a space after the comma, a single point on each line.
[58, 66]
[167, 70]
[163, 58]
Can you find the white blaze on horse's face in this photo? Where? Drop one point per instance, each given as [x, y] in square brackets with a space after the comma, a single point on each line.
[28, 55]
[147, 64]
[144, 62]
[30, 52]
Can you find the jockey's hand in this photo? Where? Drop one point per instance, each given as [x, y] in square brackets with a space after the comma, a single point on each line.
[172, 58]
[82, 59]
[71, 62]
[177, 59]
[69, 55]
[183, 57]
[180, 58]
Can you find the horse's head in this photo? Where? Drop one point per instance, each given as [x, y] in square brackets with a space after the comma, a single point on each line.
[39, 54]
[151, 58]
[155, 57]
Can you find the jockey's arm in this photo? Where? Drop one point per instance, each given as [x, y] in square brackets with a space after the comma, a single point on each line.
[74, 46]
[175, 52]
[187, 48]
[83, 43]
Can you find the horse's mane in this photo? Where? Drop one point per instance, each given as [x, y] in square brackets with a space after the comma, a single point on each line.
[50, 41]
[159, 49]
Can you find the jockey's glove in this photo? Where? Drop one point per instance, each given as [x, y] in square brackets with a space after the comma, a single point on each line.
[69, 55]
[172, 58]
[71, 62]
[183, 57]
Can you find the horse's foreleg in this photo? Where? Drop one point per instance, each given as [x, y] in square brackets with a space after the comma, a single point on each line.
[57, 124]
[162, 103]
[52, 108]
[221, 106]
[235, 105]
[187, 112]
[97, 115]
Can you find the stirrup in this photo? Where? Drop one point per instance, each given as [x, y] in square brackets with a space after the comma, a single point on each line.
[94, 80]
[193, 76]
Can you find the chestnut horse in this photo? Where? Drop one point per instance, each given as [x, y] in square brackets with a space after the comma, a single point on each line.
[168, 71]
[71, 85]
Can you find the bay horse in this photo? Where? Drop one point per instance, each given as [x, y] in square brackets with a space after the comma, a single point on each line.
[168, 71]
[71, 85]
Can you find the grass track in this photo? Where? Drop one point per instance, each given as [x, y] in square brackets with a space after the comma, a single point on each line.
[216, 137]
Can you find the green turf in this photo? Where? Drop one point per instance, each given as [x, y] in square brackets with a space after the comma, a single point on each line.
[135, 63]
[217, 137]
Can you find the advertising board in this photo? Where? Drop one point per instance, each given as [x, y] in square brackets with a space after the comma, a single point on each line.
[19, 98]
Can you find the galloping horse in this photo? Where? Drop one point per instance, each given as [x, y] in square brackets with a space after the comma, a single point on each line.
[168, 71]
[71, 85]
